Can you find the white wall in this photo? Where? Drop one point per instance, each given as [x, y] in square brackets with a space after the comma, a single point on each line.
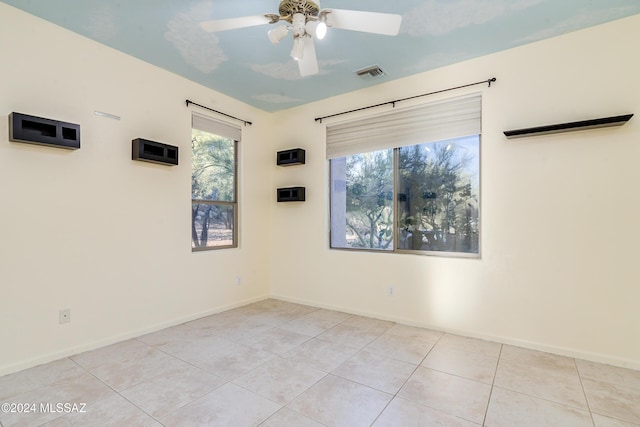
[92, 230]
[560, 213]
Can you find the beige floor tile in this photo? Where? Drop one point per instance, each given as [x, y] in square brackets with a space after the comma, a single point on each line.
[473, 366]
[319, 354]
[602, 421]
[229, 405]
[16, 384]
[317, 322]
[193, 344]
[244, 329]
[112, 411]
[550, 384]
[448, 393]
[122, 351]
[509, 409]
[410, 350]
[310, 325]
[349, 335]
[615, 401]
[376, 371]
[165, 393]
[125, 364]
[287, 418]
[79, 389]
[169, 335]
[234, 361]
[368, 324]
[474, 345]
[173, 340]
[609, 374]
[404, 413]
[37, 377]
[278, 341]
[280, 380]
[538, 358]
[272, 304]
[213, 323]
[414, 333]
[280, 312]
[332, 315]
[338, 402]
[278, 317]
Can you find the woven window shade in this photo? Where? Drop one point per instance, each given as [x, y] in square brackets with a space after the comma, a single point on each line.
[215, 127]
[436, 121]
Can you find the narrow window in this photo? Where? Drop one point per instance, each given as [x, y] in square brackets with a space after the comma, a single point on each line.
[214, 183]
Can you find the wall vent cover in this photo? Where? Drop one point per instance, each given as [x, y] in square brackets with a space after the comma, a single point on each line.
[370, 73]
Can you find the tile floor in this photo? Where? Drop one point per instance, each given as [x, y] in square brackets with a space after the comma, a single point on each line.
[274, 363]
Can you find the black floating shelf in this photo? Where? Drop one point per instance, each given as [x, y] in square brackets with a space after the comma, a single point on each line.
[295, 156]
[41, 131]
[567, 127]
[154, 152]
[291, 194]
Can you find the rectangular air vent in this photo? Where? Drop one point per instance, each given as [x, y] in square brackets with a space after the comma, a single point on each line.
[370, 73]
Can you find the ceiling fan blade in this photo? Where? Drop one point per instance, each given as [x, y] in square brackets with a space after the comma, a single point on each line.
[308, 65]
[368, 22]
[233, 23]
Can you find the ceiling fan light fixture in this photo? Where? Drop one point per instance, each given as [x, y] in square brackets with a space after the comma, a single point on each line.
[321, 30]
[317, 28]
[298, 48]
[277, 34]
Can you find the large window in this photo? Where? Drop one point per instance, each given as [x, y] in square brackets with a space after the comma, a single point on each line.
[408, 197]
[214, 206]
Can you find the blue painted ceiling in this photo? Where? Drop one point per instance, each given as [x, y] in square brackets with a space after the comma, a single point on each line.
[242, 63]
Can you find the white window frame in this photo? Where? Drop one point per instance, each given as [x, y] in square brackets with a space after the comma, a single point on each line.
[232, 132]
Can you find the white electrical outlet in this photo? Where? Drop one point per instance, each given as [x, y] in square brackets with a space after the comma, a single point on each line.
[238, 280]
[391, 291]
[65, 316]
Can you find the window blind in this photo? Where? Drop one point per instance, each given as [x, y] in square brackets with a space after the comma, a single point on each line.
[215, 127]
[451, 118]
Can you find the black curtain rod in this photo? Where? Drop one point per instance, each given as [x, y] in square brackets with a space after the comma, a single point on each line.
[218, 112]
[489, 81]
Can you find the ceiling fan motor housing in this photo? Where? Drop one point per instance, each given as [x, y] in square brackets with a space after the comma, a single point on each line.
[306, 7]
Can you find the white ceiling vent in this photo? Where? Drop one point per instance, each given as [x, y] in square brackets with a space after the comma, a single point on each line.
[370, 73]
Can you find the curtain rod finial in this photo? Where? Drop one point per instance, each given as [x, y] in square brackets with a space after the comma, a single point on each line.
[491, 80]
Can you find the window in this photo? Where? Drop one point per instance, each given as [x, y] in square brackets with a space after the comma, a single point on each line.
[214, 206]
[404, 196]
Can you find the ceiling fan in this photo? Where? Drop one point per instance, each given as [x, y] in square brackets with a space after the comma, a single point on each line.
[305, 19]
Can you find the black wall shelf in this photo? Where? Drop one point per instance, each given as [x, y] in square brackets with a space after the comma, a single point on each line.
[568, 127]
[154, 152]
[295, 156]
[291, 194]
[41, 131]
